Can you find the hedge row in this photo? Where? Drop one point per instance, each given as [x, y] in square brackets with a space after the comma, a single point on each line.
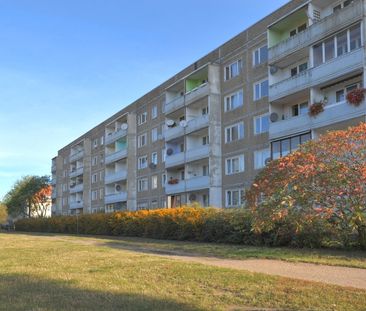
[185, 224]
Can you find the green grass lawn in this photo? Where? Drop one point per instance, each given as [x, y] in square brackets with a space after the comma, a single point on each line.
[355, 259]
[40, 272]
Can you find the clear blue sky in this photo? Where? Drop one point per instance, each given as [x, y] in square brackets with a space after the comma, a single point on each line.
[66, 65]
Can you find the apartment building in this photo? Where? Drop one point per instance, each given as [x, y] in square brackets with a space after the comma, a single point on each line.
[203, 135]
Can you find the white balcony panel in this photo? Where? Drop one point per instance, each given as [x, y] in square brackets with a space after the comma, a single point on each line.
[197, 124]
[77, 172]
[77, 188]
[76, 156]
[118, 155]
[316, 32]
[76, 204]
[331, 70]
[174, 104]
[114, 177]
[175, 159]
[198, 183]
[115, 197]
[176, 188]
[112, 137]
[331, 114]
[173, 132]
[198, 153]
[197, 93]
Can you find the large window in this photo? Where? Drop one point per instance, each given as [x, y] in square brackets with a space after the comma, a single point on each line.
[234, 165]
[260, 157]
[233, 70]
[142, 162]
[283, 147]
[341, 94]
[234, 198]
[338, 45]
[142, 140]
[260, 55]
[234, 132]
[260, 89]
[154, 181]
[234, 101]
[261, 124]
[299, 109]
[142, 118]
[142, 185]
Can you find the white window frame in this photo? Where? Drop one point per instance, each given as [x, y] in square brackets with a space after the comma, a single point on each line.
[154, 182]
[94, 195]
[142, 184]
[142, 118]
[238, 125]
[142, 140]
[229, 165]
[260, 157]
[260, 118]
[154, 158]
[259, 83]
[260, 61]
[229, 201]
[142, 162]
[154, 111]
[228, 72]
[228, 100]
[94, 178]
[154, 134]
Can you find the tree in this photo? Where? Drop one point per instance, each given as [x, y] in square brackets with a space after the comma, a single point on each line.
[323, 184]
[3, 213]
[29, 196]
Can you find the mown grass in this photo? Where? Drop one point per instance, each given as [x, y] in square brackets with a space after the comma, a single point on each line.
[68, 273]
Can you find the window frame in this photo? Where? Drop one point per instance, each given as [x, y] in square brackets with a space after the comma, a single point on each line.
[241, 165]
[260, 117]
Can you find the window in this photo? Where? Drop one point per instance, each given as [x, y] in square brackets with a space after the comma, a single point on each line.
[94, 195]
[338, 45]
[260, 157]
[163, 180]
[341, 94]
[142, 118]
[95, 160]
[101, 175]
[234, 132]
[261, 124]
[154, 134]
[342, 5]
[298, 69]
[94, 178]
[95, 143]
[142, 140]
[205, 111]
[154, 182]
[299, 109]
[234, 101]
[260, 55]
[154, 158]
[283, 147]
[205, 140]
[233, 70]
[101, 192]
[234, 198]
[297, 30]
[205, 170]
[234, 165]
[102, 141]
[182, 174]
[142, 185]
[260, 89]
[154, 111]
[142, 205]
[142, 162]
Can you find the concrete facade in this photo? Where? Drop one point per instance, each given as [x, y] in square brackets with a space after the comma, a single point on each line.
[203, 135]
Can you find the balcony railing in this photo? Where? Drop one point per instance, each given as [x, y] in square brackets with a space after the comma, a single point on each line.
[198, 153]
[115, 156]
[76, 156]
[175, 188]
[115, 197]
[332, 114]
[76, 188]
[197, 93]
[76, 204]
[174, 104]
[76, 172]
[331, 70]
[319, 30]
[112, 137]
[173, 132]
[116, 176]
[175, 159]
[198, 183]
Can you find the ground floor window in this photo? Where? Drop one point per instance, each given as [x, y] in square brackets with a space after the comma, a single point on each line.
[235, 197]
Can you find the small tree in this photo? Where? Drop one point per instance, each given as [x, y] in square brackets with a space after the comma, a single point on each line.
[3, 213]
[323, 183]
[28, 196]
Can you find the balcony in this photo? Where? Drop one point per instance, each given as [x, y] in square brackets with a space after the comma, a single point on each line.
[198, 153]
[174, 104]
[115, 156]
[197, 93]
[332, 114]
[173, 132]
[76, 204]
[321, 29]
[316, 76]
[76, 188]
[175, 188]
[112, 137]
[198, 183]
[116, 176]
[197, 124]
[76, 172]
[115, 197]
[175, 159]
[76, 156]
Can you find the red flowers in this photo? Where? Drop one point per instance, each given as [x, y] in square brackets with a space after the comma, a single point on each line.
[356, 96]
[316, 108]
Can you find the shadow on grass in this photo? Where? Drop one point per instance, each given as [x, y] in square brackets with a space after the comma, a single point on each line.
[29, 293]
